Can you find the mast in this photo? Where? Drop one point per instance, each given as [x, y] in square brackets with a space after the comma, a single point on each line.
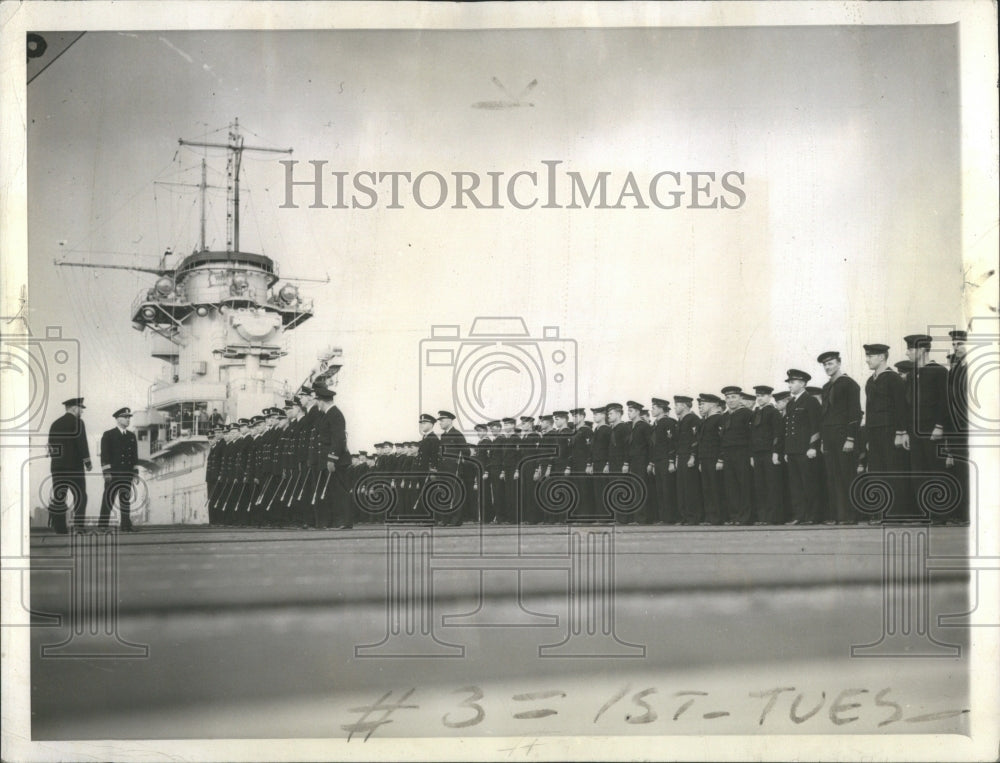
[204, 186]
[236, 148]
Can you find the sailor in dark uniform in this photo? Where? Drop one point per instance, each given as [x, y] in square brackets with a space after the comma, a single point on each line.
[781, 405]
[527, 461]
[617, 448]
[70, 456]
[802, 439]
[737, 474]
[491, 475]
[639, 441]
[710, 464]
[930, 415]
[509, 457]
[662, 454]
[213, 471]
[561, 464]
[119, 463]
[766, 425]
[600, 450]
[479, 468]
[840, 420]
[580, 458]
[307, 459]
[689, 504]
[885, 427]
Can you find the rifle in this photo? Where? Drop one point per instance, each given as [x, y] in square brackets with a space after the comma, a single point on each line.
[263, 490]
[229, 494]
[277, 490]
[240, 496]
[316, 492]
[325, 485]
[290, 484]
[304, 483]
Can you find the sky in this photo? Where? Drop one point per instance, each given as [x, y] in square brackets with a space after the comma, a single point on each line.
[847, 138]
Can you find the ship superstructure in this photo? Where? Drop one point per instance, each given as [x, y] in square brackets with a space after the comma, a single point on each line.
[218, 319]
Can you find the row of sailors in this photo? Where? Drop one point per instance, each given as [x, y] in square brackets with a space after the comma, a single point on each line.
[768, 458]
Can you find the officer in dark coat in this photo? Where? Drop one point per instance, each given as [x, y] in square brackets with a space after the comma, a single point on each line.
[709, 452]
[765, 427]
[781, 405]
[737, 474]
[802, 439]
[958, 431]
[662, 454]
[840, 420]
[930, 417]
[119, 462]
[689, 505]
[333, 460]
[428, 463]
[70, 456]
[580, 458]
[454, 454]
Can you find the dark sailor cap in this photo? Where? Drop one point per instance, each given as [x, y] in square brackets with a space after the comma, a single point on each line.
[634, 405]
[660, 402]
[323, 392]
[904, 365]
[779, 396]
[683, 399]
[122, 412]
[828, 355]
[74, 401]
[579, 411]
[732, 389]
[599, 409]
[425, 418]
[795, 374]
[243, 422]
[509, 420]
[480, 427]
[763, 389]
[545, 417]
[494, 423]
[918, 341]
[446, 415]
[615, 407]
[527, 419]
[707, 397]
[561, 414]
[958, 335]
[876, 349]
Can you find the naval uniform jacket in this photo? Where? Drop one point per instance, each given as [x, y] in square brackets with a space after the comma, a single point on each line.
[841, 409]
[68, 444]
[801, 424]
[119, 452]
[766, 425]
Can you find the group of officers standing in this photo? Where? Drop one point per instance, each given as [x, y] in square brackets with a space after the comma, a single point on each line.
[767, 458]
